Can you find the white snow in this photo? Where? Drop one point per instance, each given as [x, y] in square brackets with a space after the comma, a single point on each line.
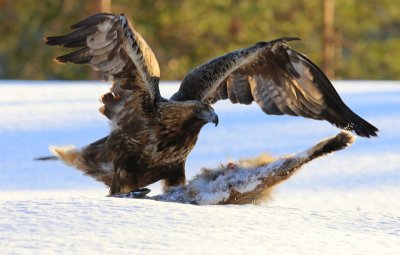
[346, 203]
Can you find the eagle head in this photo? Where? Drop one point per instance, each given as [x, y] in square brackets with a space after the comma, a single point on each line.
[204, 113]
[188, 113]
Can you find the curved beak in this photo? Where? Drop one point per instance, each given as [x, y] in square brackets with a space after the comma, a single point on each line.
[213, 118]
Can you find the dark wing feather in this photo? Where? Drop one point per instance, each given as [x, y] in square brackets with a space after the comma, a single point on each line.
[109, 44]
[279, 79]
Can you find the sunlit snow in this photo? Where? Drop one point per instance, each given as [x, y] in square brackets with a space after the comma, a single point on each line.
[346, 203]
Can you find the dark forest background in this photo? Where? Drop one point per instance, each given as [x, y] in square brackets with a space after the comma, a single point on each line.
[184, 34]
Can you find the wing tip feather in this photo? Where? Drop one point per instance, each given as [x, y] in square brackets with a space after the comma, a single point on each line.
[358, 125]
[91, 20]
[285, 39]
[366, 130]
[52, 40]
[59, 61]
[76, 57]
[278, 41]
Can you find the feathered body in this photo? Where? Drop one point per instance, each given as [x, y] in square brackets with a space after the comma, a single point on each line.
[150, 146]
[151, 136]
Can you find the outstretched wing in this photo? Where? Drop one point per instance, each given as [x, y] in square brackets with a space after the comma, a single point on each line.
[109, 44]
[281, 81]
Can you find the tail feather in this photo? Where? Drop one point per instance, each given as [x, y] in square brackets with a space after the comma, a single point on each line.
[68, 154]
[46, 158]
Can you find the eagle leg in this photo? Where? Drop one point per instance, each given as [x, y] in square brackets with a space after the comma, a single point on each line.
[115, 187]
[175, 176]
[123, 181]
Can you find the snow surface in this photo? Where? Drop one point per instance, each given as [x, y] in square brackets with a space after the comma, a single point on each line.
[346, 203]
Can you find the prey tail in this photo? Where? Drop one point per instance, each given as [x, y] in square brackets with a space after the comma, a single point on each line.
[272, 173]
[332, 144]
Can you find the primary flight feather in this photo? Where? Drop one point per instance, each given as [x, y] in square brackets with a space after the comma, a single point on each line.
[151, 136]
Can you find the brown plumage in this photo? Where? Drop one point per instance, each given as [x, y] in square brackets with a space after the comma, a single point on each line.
[151, 137]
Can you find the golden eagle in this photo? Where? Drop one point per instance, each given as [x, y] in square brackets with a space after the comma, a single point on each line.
[151, 136]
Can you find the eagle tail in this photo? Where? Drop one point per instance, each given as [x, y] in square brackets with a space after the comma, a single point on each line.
[68, 154]
[72, 156]
[46, 158]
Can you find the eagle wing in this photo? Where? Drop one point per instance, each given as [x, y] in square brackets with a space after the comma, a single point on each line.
[279, 79]
[109, 44]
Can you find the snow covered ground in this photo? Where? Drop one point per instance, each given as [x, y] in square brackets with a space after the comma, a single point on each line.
[347, 203]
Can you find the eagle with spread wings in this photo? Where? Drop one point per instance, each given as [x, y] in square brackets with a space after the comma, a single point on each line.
[151, 137]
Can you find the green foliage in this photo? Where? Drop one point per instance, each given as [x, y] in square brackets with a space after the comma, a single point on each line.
[184, 34]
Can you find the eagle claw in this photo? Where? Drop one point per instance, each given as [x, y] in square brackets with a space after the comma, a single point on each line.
[137, 193]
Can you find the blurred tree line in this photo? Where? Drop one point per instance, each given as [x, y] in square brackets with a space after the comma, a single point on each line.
[184, 34]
